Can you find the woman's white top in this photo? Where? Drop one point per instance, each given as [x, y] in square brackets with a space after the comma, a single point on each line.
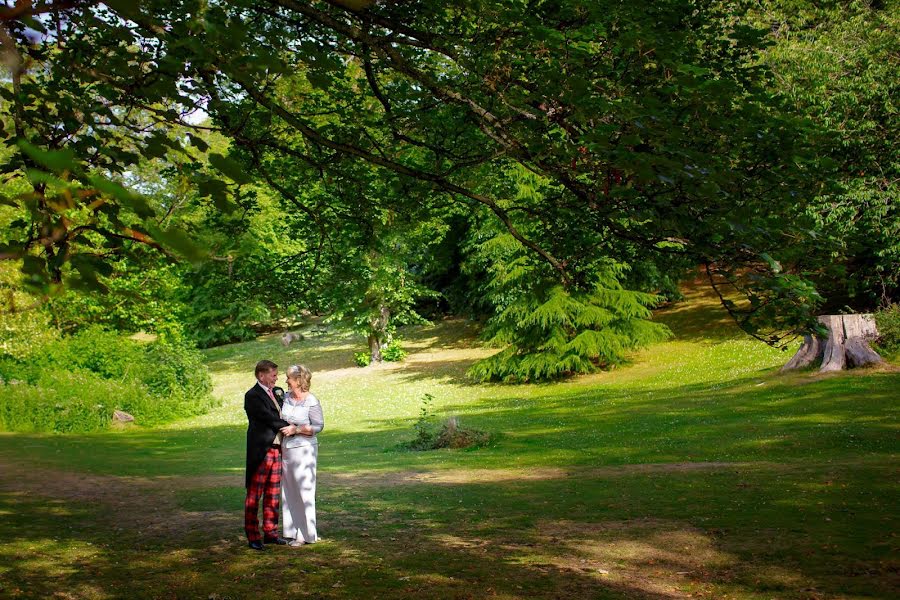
[305, 412]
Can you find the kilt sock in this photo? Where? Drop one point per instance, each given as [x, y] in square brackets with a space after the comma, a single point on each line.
[266, 484]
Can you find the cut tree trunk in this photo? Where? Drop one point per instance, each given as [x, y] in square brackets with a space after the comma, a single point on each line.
[810, 352]
[834, 359]
[859, 331]
[847, 344]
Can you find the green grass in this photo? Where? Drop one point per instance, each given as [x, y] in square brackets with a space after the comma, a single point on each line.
[695, 470]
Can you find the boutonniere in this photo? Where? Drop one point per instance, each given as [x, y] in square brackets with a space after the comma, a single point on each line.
[279, 393]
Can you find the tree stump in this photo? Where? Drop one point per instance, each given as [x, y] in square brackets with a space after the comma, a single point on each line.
[847, 344]
[811, 351]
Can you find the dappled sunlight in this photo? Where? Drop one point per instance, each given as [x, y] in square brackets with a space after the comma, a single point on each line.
[695, 468]
[655, 556]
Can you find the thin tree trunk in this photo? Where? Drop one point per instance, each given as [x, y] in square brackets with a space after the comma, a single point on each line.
[378, 336]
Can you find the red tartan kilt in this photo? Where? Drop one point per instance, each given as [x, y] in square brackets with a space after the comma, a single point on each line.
[265, 484]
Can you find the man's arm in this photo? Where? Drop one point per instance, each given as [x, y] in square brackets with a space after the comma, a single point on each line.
[257, 411]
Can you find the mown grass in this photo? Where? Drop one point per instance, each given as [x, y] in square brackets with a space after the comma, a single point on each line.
[696, 470]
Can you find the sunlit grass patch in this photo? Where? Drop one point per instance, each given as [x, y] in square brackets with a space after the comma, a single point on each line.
[695, 468]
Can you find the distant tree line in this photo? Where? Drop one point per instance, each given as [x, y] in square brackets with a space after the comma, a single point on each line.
[555, 167]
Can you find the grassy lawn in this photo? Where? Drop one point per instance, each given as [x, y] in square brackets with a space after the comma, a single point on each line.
[697, 470]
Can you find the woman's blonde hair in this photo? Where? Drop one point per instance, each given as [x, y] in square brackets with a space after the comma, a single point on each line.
[300, 374]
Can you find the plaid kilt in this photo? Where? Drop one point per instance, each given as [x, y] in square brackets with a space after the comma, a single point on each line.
[265, 484]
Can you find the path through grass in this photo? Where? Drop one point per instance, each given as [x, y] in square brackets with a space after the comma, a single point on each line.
[695, 471]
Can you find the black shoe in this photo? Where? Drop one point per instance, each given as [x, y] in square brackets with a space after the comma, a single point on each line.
[279, 541]
[257, 546]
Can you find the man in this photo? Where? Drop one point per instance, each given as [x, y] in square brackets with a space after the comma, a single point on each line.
[262, 403]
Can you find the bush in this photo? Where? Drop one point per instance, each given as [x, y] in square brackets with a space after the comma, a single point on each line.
[450, 434]
[888, 322]
[393, 352]
[80, 380]
[12, 369]
[63, 402]
[362, 359]
[97, 350]
[170, 368]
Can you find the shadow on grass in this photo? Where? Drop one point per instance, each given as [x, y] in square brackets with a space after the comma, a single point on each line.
[726, 532]
[814, 509]
[72, 553]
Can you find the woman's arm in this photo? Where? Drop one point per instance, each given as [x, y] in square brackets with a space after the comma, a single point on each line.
[316, 418]
[316, 421]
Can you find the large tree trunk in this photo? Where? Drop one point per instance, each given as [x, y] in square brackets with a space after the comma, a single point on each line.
[374, 348]
[810, 352]
[847, 344]
[859, 331]
[378, 334]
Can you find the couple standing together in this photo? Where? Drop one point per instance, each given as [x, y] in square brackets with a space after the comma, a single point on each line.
[281, 457]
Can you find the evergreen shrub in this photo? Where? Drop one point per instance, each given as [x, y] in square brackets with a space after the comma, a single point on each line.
[551, 332]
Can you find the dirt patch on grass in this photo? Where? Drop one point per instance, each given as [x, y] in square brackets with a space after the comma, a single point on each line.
[150, 504]
[463, 476]
[656, 557]
[140, 504]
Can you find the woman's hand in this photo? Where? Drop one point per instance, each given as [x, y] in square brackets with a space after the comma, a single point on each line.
[305, 430]
[289, 430]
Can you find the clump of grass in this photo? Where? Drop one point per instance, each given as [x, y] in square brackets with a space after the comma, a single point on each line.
[449, 435]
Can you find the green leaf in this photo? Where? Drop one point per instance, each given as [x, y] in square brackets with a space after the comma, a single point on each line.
[229, 167]
[199, 143]
[126, 8]
[773, 264]
[134, 201]
[179, 241]
[55, 160]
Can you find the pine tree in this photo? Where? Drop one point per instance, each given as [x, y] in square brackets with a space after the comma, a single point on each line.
[549, 331]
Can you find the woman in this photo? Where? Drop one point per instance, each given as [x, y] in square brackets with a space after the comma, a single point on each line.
[300, 450]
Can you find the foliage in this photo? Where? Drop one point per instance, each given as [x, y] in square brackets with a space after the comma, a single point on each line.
[171, 369]
[142, 297]
[25, 325]
[377, 285]
[98, 350]
[888, 322]
[653, 126]
[549, 331]
[362, 359]
[76, 382]
[64, 402]
[394, 352]
[836, 63]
